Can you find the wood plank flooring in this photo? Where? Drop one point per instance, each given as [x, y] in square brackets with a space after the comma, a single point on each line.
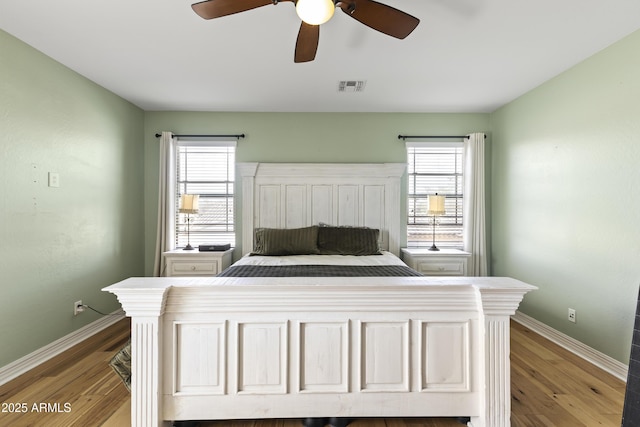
[550, 387]
[76, 388]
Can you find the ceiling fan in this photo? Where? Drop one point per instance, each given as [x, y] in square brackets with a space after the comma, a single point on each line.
[313, 13]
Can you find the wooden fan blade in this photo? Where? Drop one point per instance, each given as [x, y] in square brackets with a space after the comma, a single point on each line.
[217, 8]
[380, 17]
[307, 42]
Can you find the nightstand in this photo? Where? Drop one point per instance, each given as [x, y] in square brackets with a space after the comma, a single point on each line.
[445, 262]
[195, 263]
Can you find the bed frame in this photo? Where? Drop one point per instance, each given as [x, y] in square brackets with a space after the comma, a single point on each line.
[243, 348]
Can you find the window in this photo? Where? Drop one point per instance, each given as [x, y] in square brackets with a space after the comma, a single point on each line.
[205, 168]
[434, 168]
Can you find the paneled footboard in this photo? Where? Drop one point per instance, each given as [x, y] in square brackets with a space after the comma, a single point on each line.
[278, 348]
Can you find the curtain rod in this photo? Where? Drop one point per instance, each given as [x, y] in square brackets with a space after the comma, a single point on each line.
[405, 137]
[205, 136]
[432, 136]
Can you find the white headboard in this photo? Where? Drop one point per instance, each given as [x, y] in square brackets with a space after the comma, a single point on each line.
[292, 195]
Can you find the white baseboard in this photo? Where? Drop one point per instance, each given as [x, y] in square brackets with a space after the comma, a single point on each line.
[31, 360]
[601, 360]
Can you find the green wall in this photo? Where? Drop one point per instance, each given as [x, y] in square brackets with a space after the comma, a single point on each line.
[59, 245]
[297, 137]
[566, 197]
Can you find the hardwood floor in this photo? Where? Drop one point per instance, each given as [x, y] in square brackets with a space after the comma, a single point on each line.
[550, 387]
[76, 388]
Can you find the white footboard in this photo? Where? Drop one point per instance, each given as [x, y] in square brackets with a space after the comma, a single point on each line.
[223, 348]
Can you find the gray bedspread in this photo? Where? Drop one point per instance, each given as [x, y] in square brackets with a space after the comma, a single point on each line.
[318, 271]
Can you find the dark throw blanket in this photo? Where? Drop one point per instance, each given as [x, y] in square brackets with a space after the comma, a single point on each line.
[318, 271]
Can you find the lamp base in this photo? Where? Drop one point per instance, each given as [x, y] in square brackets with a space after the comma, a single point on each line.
[188, 247]
[434, 248]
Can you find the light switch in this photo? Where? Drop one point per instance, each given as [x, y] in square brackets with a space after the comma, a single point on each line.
[54, 179]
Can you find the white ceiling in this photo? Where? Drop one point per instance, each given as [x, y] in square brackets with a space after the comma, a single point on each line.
[465, 56]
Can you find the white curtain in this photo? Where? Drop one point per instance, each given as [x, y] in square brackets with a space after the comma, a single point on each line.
[474, 205]
[165, 211]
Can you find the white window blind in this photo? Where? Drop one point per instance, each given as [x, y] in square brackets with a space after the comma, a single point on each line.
[206, 168]
[435, 168]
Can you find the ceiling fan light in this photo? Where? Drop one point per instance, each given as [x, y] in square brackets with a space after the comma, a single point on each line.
[315, 12]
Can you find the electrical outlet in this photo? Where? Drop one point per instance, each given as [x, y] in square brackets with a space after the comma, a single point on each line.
[571, 315]
[78, 307]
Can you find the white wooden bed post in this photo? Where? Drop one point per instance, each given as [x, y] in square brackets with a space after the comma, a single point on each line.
[145, 306]
[497, 306]
[248, 173]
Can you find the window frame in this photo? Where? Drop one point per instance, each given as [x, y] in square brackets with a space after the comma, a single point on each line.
[176, 187]
[452, 222]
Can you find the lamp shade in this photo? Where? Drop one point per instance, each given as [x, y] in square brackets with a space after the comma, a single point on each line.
[436, 205]
[315, 12]
[189, 203]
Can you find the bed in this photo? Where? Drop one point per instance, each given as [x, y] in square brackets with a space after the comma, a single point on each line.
[283, 343]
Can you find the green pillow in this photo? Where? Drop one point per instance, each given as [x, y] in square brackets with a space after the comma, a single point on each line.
[286, 241]
[348, 241]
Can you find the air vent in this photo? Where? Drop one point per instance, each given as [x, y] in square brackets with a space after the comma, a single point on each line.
[352, 85]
